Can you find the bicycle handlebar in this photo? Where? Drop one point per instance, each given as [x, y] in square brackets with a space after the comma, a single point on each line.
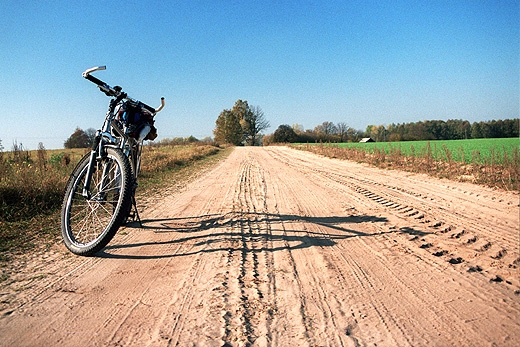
[116, 91]
[92, 69]
[160, 107]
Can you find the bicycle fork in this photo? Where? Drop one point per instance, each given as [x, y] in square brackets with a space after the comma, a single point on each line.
[96, 152]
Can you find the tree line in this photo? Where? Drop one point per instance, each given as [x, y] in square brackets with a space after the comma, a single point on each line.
[453, 129]
[85, 138]
[243, 125]
[415, 131]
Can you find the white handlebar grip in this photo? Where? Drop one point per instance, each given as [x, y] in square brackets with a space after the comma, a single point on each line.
[160, 107]
[92, 69]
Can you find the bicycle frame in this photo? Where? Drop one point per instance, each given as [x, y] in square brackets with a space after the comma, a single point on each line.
[112, 135]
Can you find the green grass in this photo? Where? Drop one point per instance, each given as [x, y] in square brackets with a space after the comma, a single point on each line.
[474, 151]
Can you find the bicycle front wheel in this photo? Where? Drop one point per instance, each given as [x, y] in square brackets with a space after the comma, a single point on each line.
[89, 223]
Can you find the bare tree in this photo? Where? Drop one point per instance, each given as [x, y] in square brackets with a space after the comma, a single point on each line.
[342, 131]
[325, 131]
[298, 128]
[253, 123]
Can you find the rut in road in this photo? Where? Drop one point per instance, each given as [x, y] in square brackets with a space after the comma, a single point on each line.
[475, 221]
[278, 247]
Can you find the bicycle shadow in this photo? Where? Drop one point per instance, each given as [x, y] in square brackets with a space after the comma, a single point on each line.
[237, 231]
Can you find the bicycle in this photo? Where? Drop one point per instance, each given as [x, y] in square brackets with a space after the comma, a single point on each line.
[100, 193]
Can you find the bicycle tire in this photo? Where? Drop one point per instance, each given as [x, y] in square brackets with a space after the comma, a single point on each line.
[89, 224]
[128, 210]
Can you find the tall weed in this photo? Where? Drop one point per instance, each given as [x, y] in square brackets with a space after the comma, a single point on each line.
[30, 186]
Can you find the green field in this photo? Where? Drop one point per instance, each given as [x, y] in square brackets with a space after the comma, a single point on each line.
[477, 151]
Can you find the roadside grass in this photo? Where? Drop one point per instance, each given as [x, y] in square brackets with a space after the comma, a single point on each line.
[490, 162]
[32, 185]
[163, 166]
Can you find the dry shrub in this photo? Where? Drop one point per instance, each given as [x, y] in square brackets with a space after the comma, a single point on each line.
[157, 159]
[28, 189]
[42, 157]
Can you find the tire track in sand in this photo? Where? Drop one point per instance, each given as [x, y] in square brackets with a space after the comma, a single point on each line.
[449, 231]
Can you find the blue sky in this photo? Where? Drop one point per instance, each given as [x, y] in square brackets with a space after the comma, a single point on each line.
[306, 62]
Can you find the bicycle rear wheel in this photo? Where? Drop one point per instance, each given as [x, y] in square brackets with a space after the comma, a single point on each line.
[88, 224]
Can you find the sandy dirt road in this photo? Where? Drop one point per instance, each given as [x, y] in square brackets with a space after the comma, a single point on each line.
[278, 247]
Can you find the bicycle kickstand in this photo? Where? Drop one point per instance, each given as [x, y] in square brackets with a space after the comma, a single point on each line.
[136, 214]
